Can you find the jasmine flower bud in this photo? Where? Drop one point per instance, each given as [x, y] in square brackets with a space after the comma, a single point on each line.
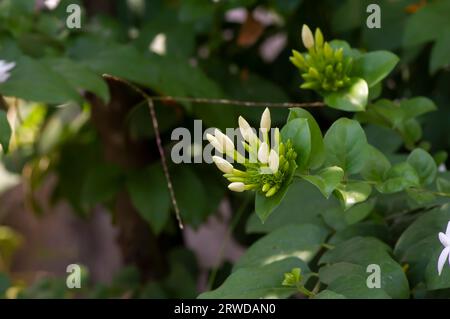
[223, 165]
[307, 37]
[215, 143]
[265, 120]
[273, 161]
[236, 187]
[263, 153]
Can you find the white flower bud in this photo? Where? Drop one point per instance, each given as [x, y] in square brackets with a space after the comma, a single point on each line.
[223, 165]
[215, 143]
[274, 161]
[265, 120]
[236, 187]
[307, 37]
[225, 141]
[263, 153]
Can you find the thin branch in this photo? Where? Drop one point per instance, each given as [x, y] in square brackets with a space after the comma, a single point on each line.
[236, 102]
[151, 107]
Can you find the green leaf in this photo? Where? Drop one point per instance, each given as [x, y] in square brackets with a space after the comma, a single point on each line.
[424, 165]
[260, 282]
[443, 185]
[376, 166]
[101, 184]
[297, 130]
[425, 24]
[193, 204]
[352, 98]
[79, 76]
[302, 204]
[416, 106]
[300, 241]
[346, 146]
[374, 66]
[317, 154]
[150, 195]
[352, 193]
[328, 294]
[358, 212]
[326, 180]
[349, 281]
[419, 247]
[440, 54]
[364, 251]
[5, 131]
[264, 206]
[34, 81]
[399, 177]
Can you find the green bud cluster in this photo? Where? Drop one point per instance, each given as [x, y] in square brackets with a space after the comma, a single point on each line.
[323, 68]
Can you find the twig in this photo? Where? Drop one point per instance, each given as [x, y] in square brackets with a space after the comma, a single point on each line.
[236, 102]
[151, 107]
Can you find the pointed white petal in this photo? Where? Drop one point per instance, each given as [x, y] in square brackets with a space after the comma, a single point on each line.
[263, 153]
[444, 239]
[442, 258]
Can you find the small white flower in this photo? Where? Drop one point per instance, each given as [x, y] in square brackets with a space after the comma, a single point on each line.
[5, 67]
[51, 4]
[307, 37]
[263, 153]
[445, 254]
[223, 165]
[265, 120]
[274, 161]
[237, 187]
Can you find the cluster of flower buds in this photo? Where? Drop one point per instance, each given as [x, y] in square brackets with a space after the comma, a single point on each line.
[323, 68]
[267, 166]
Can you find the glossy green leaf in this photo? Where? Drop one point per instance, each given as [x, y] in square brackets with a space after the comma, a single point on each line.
[302, 204]
[352, 193]
[374, 66]
[297, 130]
[326, 180]
[364, 251]
[376, 165]
[260, 282]
[300, 241]
[352, 98]
[399, 177]
[424, 165]
[346, 146]
[317, 154]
